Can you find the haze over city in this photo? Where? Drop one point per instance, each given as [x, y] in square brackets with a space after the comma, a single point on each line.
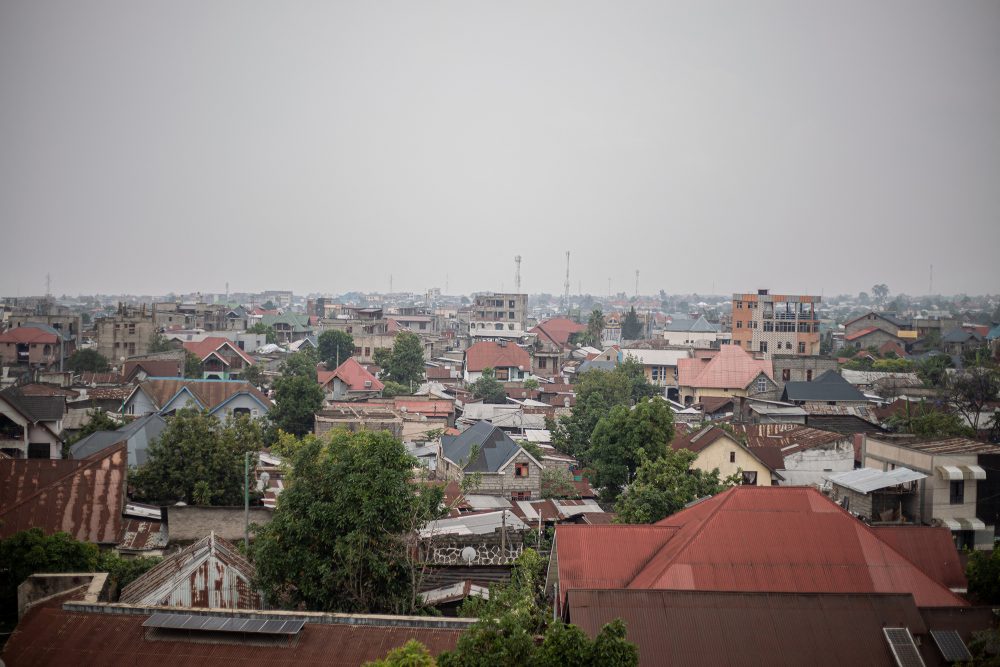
[823, 148]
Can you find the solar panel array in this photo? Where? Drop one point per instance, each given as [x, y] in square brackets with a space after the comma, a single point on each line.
[903, 649]
[222, 624]
[951, 646]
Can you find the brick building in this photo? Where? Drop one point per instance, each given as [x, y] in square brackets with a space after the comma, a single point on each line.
[773, 323]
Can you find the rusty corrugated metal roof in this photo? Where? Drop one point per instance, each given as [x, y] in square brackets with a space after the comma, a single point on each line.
[931, 548]
[208, 574]
[142, 535]
[51, 635]
[718, 628]
[82, 498]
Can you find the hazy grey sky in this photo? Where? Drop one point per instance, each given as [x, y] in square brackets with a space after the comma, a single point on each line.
[804, 146]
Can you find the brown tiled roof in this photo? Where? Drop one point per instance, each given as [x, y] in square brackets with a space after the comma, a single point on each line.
[491, 355]
[220, 344]
[109, 393]
[82, 498]
[38, 389]
[557, 330]
[166, 368]
[210, 393]
[788, 438]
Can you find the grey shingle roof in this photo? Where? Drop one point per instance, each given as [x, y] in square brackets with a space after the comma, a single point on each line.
[36, 408]
[700, 325]
[138, 435]
[829, 386]
[494, 447]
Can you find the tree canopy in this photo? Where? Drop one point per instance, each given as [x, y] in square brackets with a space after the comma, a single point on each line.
[297, 399]
[631, 326]
[198, 459]
[337, 541]
[488, 388]
[405, 362]
[335, 347]
[270, 336]
[664, 485]
[301, 363]
[87, 360]
[625, 438]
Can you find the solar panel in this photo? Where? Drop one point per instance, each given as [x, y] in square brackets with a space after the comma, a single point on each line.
[222, 624]
[903, 649]
[951, 646]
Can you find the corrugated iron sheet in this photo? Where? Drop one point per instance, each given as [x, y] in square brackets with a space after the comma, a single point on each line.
[49, 635]
[208, 574]
[930, 548]
[715, 628]
[83, 498]
[142, 535]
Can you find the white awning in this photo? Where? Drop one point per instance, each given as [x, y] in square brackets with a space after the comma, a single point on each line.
[973, 472]
[950, 472]
[963, 524]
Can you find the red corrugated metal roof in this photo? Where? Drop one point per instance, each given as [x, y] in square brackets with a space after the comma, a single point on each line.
[353, 374]
[751, 539]
[722, 628]
[731, 368]
[82, 498]
[225, 347]
[860, 334]
[28, 334]
[930, 548]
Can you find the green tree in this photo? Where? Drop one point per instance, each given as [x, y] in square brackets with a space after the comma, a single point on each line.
[198, 459]
[192, 366]
[515, 614]
[972, 389]
[260, 328]
[410, 654]
[87, 359]
[933, 371]
[392, 389]
[335, 347]
[302, 363]
[983, 574]
[631, 326]
[30, 551]
[880, 293]
[664, 485]
[926, 421]
[488, 388]
[558, 483]
[297, 399]
[99, 421]
[160, 343]
[623, 439]
[405, 364]
[531, 384]
[337, 541]
[254, 374]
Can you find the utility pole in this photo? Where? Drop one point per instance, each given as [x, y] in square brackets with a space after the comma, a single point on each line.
[637, 283]
[246, 502]
[566, 286]
[517, 274]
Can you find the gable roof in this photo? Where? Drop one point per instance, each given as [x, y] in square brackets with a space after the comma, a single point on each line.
[495, 448]
[33, 407]
[864, 332]
[699, 440]
[82, 498]
[219, 344]
[209, 573]
[138, 435]
[830, 386]
[891, 318]
[211, 394]
[700, 325]
[557, 330]
[353, 374]
[767, 539]
[931, 548]
[960, 335]
[731, 368]
[486, 354]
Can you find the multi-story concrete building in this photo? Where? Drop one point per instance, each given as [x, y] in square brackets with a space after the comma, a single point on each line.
[499, 315]
[125, 334]
[776, 323]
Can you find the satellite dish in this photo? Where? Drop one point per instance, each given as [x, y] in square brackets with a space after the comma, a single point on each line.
[468, 555]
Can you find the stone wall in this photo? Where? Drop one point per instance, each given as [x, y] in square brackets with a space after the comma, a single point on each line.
[490, 549]
[189, 523]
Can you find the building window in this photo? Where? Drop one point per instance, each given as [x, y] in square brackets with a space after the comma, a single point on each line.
[802, 348]
[761, 385]
[739, 304]
[750, 478]
[241, 412]
[809, 375]
[542, 361]
[520, 495]
[956, 495]
[763, 346]
[786, 374]
[732, 457]
[520, 470]
[739, 324]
